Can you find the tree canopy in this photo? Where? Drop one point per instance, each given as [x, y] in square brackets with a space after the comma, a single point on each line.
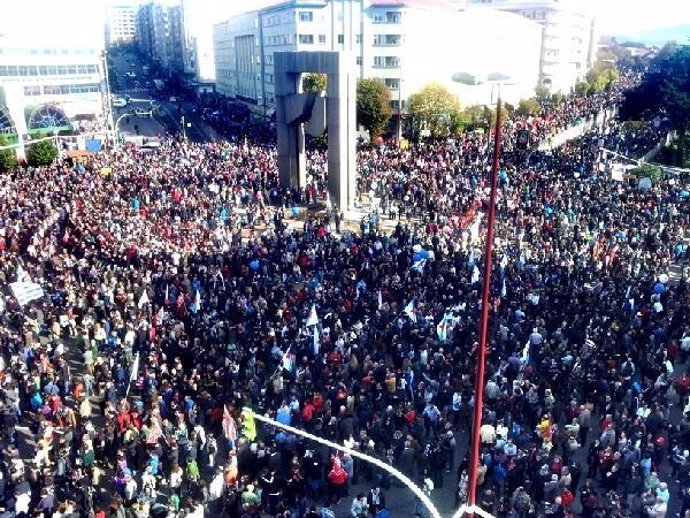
[41, 153]
[373, 106]
[665, 90]
[528, 107]
[8, 159]
[435, 108]
[314, 82]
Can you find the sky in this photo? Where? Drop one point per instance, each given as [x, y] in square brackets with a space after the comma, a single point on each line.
[630, 16]
[614, 16]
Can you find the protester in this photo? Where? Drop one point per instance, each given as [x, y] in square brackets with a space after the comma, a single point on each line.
[184, 284]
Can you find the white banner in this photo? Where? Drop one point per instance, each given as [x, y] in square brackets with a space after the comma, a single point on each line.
[25, 292]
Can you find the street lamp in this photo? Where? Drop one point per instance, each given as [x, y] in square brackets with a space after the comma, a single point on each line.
[108, 102]
[185, 125]
[486, 292]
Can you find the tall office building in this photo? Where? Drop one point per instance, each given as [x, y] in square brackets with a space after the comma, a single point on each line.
[390, 40]
[160, 34]
[121, 23]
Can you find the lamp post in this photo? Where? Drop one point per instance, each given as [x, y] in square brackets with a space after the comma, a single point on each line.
[486, 295]
[108, 102]
[484, 320]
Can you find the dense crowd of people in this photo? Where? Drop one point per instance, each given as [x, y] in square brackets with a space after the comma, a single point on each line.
[184, 284]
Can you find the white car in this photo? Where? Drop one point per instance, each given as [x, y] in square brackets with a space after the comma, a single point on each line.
[119, 102]
[173, 99]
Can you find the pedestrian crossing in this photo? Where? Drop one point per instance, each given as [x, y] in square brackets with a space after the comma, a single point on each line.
[137, 90]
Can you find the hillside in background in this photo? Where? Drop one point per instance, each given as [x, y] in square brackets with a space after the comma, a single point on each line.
[678, 33]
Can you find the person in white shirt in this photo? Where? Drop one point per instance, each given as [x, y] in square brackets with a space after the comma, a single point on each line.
[215, 490]
[22, 501]
[148, 483]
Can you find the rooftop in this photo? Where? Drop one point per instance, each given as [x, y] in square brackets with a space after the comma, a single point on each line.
[422, 4]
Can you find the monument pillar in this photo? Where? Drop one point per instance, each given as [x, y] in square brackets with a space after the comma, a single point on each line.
[294, 108]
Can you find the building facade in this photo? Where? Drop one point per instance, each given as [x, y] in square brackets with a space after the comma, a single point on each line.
[388, 39]
[121, 23]
[160, 35]
[47, 78]
[568, 37]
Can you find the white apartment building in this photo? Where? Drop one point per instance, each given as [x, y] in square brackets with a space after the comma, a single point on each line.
[568, 37]
[48, 78]
[121, 23]
[404, 43]
[198, 19]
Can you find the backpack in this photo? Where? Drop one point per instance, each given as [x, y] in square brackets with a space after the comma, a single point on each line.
[326, 513]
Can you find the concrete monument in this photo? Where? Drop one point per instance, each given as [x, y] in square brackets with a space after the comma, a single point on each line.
[335, 112]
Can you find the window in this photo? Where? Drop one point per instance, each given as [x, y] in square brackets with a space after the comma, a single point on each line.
[322, 39]
[51, 90]
[358, 39]
[341, 39]
[269, 78]
[386, 62]
[387, 40]
[359, 60]
[32, 90]
[387, 17]
[392, 83]
[306, 39]
[306, 16]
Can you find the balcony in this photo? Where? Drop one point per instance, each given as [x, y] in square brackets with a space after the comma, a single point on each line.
[388, 17]
[387, 40]
[387, 64]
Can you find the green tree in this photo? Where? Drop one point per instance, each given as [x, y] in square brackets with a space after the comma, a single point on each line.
[596, 81]
[582, 88]
[8, 159]
[665, 89]
[474, 117]
[373, 106]
[41, 153]
[557, 98]
[505, 115]
[314, 82]
[435, 108]
[646, 170]
[528, 107]
[541, 92]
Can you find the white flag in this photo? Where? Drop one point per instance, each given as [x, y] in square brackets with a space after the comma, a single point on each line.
[317, 343]
[409, 311]
[313, 318]
[135, 369]
[144, 299]
[22, 276]
[380, 300]
[418, 266]
[475, 275]
[25, 292]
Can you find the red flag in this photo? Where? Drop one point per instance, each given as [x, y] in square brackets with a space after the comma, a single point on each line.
[229, 426]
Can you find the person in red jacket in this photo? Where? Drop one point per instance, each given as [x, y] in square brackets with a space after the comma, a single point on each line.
[337, 478]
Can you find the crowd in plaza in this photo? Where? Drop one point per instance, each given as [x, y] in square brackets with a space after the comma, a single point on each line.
[184, 284]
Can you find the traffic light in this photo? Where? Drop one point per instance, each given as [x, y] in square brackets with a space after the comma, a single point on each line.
[248, 424]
